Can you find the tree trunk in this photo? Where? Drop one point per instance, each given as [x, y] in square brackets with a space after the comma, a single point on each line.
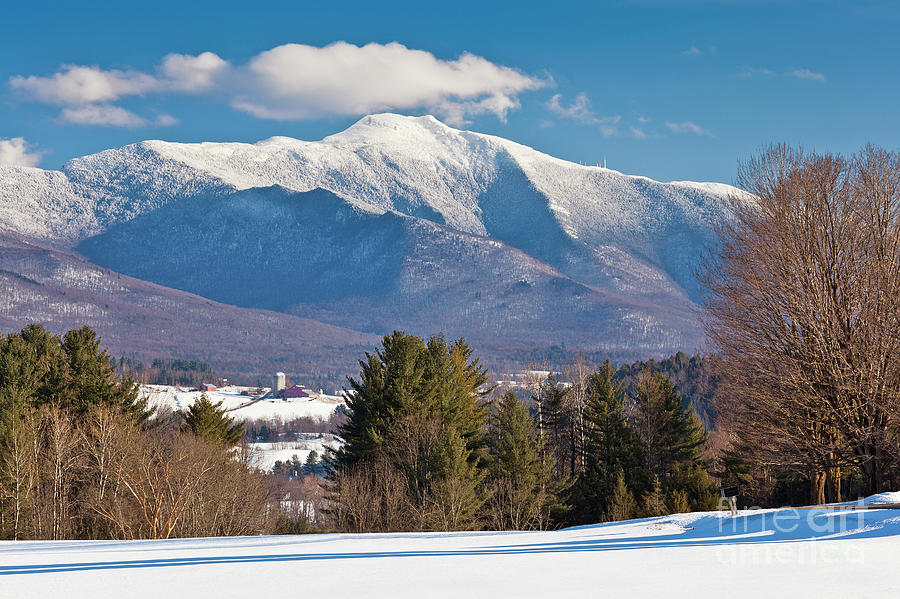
[834, 485]
[817, 487]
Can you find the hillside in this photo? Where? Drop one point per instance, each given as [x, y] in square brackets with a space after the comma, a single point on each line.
[133, 317]
[397, 222]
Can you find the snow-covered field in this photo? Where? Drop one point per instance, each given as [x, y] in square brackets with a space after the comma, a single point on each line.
[242, 407]
[266, 454]
[767, 553]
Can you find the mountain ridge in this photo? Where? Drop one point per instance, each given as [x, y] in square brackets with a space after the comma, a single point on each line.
[401, 214]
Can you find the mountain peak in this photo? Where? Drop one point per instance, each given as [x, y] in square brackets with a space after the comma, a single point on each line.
[387, 126]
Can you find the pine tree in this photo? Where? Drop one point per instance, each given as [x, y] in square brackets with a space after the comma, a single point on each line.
[208, 421]
[520, 478]
[677, 502]
[313, 464]
[673, 436]
[417, 406]
[390, 386]
[72, 373]
[611, 445]
[33, 371]
[654, 501]
[622, 505]
[454, 496]
[557, 422]
[92, 379]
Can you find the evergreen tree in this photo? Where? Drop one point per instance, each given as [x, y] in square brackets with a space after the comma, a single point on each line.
[417, 405]
[654, 501]
[33, 371]
[674, 438]
[520, 478]
[558, 421]
[611, 445]
[390, 386]
[92, 379]
[38, 368]
[671, 432]
[677, 502]
[454, 495]
[622, 505]
[313, 464]
[208, 421]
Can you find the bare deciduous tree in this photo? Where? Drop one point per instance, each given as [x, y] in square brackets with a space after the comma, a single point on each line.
[803, 308]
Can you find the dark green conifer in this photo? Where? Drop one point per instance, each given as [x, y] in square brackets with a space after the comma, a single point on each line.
[611, 445]
[208, 421]
[520, 473]
[418, 406]
[622, 505]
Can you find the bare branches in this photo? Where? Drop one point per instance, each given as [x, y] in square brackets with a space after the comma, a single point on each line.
[803, 307]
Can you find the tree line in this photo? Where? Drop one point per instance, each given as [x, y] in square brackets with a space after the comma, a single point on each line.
[429, 446]
[82, 456]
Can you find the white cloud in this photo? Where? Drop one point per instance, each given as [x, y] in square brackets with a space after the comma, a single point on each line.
[296, 82]
[186, 73]
[695, 51]
[75, 85]
[15, 151]
[166, 120]
[579, 110]
[609, 126]
[753, 71]
[638, 133]
[101, 114]
[687, 127]
[798, 73]
[807, 74]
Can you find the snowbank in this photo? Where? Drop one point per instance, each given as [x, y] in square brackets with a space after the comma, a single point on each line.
[818, 553]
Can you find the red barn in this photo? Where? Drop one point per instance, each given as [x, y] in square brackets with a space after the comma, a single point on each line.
[294, 392]
[207, 387]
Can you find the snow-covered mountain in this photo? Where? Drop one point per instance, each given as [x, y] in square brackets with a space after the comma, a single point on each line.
[397, 222]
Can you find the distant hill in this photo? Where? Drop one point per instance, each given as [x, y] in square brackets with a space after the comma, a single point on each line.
[144, 320]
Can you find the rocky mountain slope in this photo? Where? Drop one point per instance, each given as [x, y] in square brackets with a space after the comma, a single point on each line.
[397, 222]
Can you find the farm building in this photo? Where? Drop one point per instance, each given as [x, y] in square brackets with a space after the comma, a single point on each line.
[295, 392]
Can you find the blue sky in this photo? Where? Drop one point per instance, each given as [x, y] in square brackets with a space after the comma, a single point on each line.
[668, 89]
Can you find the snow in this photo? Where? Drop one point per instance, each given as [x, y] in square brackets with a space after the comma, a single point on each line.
[265, 455]
[396, 211]
[766, 553]
[475, 183]
[242, 407]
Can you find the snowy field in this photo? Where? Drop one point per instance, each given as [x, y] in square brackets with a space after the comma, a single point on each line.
[767, 553]
[264, 455]
[242, 407]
